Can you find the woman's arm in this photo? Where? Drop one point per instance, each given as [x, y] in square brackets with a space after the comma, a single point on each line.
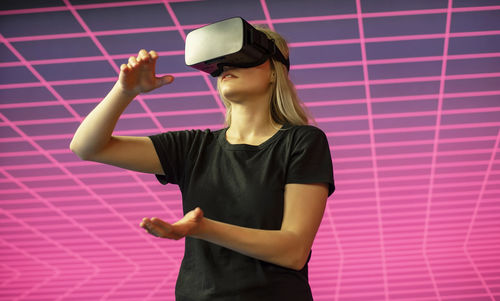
[288, 247]
[94, 140]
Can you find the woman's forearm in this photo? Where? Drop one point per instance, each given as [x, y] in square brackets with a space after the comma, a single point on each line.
[96, 129]
[283, 248]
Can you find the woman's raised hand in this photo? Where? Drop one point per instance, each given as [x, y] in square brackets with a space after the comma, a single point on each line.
[139, 76]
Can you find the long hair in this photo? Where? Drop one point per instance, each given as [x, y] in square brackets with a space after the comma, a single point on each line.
[285, 105]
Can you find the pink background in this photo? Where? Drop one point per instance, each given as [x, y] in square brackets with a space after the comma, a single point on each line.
[408, 93]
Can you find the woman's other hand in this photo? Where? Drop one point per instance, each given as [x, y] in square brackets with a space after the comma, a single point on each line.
[188, 225]
[138, 75]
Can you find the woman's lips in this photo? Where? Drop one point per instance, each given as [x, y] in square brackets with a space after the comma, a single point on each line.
[228, 76]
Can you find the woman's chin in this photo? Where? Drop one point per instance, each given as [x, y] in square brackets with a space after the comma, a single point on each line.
[231, 94]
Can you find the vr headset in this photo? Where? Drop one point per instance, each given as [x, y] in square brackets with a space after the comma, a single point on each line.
[231, 42]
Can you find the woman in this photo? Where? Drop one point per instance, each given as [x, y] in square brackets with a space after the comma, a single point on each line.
[253, 193]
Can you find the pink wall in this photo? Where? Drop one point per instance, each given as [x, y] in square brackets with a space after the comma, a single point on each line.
[408, 93]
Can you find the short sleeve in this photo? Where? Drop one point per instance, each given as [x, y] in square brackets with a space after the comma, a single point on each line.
[310, 160]
[172, 149]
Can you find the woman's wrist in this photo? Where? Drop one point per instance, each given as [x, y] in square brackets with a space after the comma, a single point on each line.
[124, 93]
[202, 229]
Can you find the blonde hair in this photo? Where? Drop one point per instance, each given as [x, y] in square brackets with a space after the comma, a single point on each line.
[285, 105]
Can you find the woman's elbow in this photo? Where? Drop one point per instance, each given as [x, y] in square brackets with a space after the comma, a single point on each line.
[299, 260]
[296, 258]
[76, 148]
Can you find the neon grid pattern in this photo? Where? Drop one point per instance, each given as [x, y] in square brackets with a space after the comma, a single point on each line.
[408, 93]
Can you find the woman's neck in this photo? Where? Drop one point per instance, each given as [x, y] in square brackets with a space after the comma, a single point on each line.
[250, 124]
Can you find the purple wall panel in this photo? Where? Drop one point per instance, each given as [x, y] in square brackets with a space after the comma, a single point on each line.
[408, 93]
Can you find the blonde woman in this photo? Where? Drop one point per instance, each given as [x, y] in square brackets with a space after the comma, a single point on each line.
[253, 192]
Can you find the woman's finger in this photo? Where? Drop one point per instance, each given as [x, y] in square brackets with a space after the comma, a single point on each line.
[124, 68]
[153, 55]
[132, 61]
[143, 55]
[160, 223]
[164, 80]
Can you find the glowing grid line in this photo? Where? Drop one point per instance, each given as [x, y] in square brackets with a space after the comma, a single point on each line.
[474, 216]
[372, 147]
[214, 93]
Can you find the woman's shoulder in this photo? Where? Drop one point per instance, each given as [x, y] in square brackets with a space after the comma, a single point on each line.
[193, 133]
[304, 130]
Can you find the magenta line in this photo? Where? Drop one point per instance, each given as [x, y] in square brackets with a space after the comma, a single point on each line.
[392, 38]
[363, 15]
[329, 85]
[339, 250]
[265, 9]
[6, 281]
[281, 20]
[54, 36]
[433, 96]
[361, 239]
[124, 116]
[214, 93]
[29, 105]
[482, 190]
[432, 58]
[475, 33]
[178, 94]
[40, 78]
[435, 149]
[83, 6]
[82, 81]
[443, 154]
[32, 10]
[105, 79]
[86, 59]
[373, 148]
[115, 32]
[430, 113]
[125, 3]
[132, 132]
[473, 56]
[433, 36]
[313, 18]
[357, 234]
[412, 167]
[160, 285]
[22, 85]
[474, 216]
[55, 271]
[413, 142]
[325, 65]
[453, 216]
[323, 43]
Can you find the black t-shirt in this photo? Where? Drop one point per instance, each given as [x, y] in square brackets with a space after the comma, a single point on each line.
[242, 185]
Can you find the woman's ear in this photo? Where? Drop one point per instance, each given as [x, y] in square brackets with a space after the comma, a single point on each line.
[273, 77]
